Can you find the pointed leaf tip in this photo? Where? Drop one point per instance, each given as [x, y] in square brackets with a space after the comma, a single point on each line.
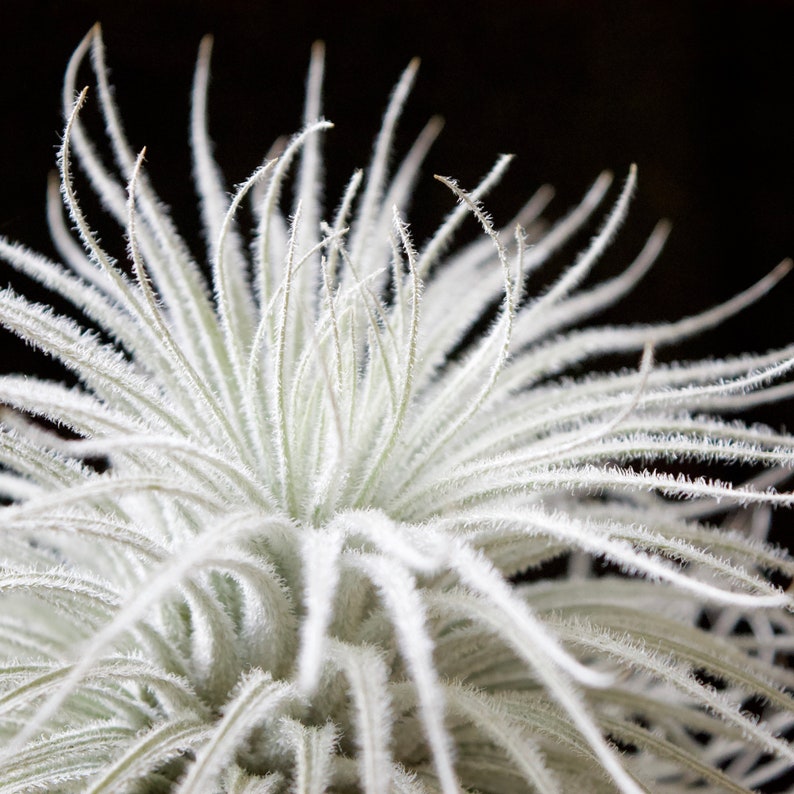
[205, 46]
[784, 268]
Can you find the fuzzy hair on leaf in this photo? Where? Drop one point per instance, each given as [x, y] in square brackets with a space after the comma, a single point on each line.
[334, 509]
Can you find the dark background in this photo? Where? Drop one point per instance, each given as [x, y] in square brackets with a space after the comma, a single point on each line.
[698, 94]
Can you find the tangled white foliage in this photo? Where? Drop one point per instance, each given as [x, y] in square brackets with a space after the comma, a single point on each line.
[298, 569]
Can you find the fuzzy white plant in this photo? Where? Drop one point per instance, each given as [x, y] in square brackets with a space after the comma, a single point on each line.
[298, 568]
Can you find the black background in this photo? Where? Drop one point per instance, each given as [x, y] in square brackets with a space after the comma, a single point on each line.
[698, 94]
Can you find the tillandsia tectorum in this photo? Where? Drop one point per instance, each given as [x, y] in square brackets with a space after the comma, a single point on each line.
[314, 554]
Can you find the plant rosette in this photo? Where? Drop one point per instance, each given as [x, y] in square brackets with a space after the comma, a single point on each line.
[289, 531]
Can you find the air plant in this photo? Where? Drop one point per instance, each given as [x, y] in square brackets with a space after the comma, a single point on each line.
[341, 512]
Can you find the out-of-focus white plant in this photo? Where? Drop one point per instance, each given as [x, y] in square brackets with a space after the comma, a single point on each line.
[302, 565]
